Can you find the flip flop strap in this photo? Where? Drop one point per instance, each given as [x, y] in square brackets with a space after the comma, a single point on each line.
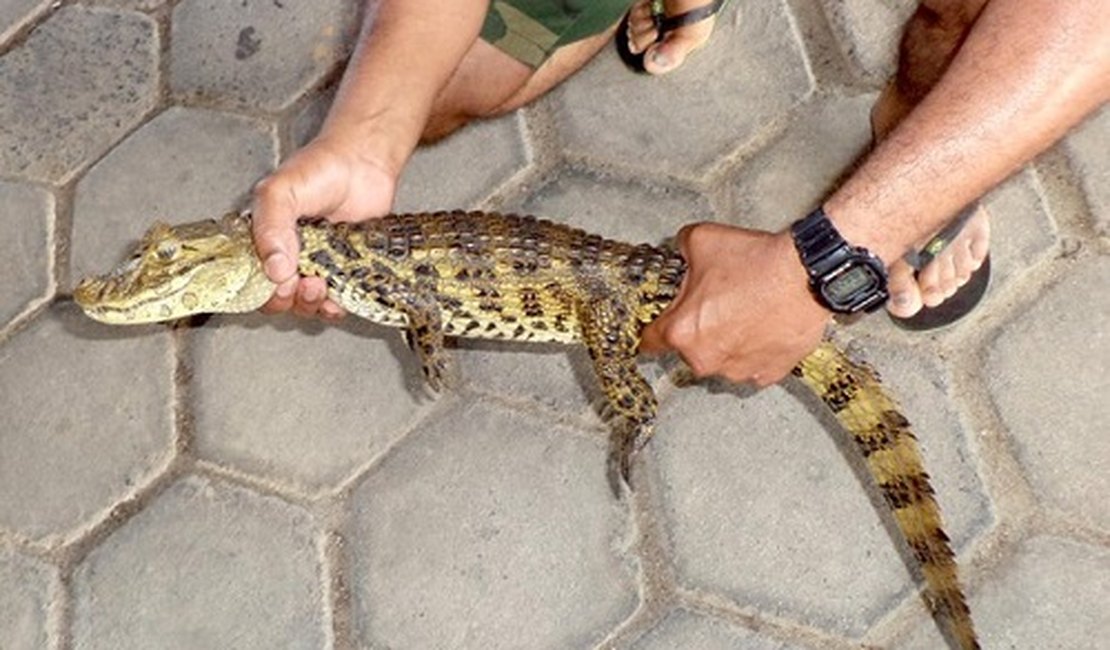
[665, 24]
[920, 259]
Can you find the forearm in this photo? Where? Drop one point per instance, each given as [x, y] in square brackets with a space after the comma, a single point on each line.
[405, 55]
[1028, 71]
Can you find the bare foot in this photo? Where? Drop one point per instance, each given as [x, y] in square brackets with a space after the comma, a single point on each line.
[668, 54]
[945, 274]
[952, 267]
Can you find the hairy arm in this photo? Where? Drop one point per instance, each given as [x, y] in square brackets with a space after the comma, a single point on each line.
[1028, 71]
[406, 52]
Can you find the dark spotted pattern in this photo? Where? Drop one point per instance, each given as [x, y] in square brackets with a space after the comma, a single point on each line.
[510, 277]
[881, 433]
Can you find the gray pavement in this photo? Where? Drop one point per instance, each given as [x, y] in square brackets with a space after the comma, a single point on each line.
[268, 483]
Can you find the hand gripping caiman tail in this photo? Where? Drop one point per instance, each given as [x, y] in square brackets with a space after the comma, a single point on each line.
[492, 276]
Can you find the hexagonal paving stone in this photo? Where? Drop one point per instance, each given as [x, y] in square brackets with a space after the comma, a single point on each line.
[1088, 152]
[683, 629]
[628, 211]
[868, 32]
[257, 53]
[66, 96]
[559, 378]
[85, 417]
[792, 175]
[204, 164]
[764, 507]
[15, 13]
[141, 5]
[1047, 373]
[489, 530]
[28, 588]
[304, 402]
[204, 566]
[1053, 594]
[1023, 232]
[750, 73]
[25, 240]
[465, 168]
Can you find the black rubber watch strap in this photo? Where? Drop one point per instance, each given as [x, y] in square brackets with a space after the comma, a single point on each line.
[820, 246]
[842, 277]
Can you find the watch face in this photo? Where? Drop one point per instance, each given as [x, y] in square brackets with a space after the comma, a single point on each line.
[853, 287]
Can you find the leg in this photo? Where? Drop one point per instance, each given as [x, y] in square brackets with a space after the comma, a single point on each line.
[611, 337]
[489, 82]
[932, 38]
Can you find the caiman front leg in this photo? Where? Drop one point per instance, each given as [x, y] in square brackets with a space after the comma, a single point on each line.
[611, 335]
[390, 300]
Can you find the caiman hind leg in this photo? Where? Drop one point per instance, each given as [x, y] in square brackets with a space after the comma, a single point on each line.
[611, 336]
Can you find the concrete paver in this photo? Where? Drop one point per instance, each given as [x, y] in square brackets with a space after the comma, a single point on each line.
[24, 601]
[263, 482]
[791, 175]
[1026, 235]
[48, 483]
[682, 629]
[51, 129]
[24, 236]
[489, 529]
[14, 15]
[257, 53]
[320, 425]
[756, 515]
[203, 566]
[691, 120]
[869, 31]
[444, 175]
[632, 211]
[1060, 346]
[1087, 146]
[1051, 595]
[183, 165]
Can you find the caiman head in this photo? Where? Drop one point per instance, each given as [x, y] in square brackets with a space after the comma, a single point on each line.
[195, 268]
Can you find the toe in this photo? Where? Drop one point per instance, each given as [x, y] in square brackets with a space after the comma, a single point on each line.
[937, 280]
[641, 27]
[672, 51]
[966, 263]
[905, 296]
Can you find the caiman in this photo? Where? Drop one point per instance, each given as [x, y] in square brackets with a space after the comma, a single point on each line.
[493, 276]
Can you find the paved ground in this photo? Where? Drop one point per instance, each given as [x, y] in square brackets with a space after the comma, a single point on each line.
[266, 483]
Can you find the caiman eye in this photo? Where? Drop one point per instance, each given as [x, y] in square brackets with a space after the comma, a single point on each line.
[166, 252]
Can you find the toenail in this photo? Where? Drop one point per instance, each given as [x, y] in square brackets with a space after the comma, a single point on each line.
[660, 59]
[900, 299]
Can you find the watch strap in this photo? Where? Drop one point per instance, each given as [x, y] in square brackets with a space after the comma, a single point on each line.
[820, 246]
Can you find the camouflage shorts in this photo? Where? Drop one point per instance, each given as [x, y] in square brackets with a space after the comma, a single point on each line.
[530, 30]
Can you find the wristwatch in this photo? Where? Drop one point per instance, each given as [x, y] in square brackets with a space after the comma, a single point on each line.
[844, 278]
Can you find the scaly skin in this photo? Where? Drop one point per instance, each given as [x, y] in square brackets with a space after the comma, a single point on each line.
[491, 276]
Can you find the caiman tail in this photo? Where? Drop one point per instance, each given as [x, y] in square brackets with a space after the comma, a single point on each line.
[853, 393]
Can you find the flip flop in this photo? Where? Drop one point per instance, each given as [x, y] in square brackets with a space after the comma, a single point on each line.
[664, 25]
[966, 297]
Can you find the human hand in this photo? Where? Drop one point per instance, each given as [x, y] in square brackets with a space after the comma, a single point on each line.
[331, 177]
[744, 311]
